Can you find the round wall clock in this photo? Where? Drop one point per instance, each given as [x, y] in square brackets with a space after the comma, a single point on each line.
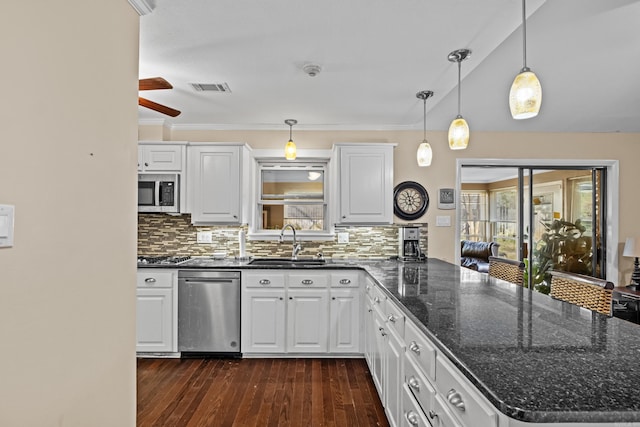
[410, 200]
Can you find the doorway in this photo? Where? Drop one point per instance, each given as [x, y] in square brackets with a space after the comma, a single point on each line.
[548, 214]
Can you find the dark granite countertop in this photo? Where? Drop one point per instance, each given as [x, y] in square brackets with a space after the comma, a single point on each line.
[535, 358]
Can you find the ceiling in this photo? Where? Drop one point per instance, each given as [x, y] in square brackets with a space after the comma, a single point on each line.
[375, 55]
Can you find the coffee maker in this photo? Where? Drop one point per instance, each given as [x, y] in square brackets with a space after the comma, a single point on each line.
[409, 244]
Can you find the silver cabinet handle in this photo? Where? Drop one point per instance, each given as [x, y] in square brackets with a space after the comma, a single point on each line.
[146, 164]
[307, 282]
[150, 280]
[455, 399]
[412, 418]
[367, 287]
[370, 310]
[265, 282]
[345, 281]
[376, 300]
[414, 383]
[391, 318]
[382, 332]
[413, 346]
[432, 414]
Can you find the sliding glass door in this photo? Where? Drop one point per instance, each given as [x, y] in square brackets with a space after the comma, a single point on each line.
[549, 217]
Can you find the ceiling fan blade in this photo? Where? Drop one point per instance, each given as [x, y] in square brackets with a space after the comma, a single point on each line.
[154, 83]
[158, 107]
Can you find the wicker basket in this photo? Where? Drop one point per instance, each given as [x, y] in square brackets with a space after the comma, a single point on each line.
[584, 291]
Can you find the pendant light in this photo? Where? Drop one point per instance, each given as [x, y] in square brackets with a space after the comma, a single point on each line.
[424, 153]
[290, 151]
[459, 129]
[525, 96]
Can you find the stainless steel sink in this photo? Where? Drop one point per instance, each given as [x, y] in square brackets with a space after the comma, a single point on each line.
[287, 262]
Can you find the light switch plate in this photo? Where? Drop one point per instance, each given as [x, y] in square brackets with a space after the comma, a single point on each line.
[343, 237]
[6, 225]
[204, 237]
[443, 221]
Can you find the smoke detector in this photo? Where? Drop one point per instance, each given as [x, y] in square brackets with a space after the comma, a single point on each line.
[311, 69]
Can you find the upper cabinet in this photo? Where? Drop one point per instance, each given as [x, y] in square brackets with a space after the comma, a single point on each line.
[214, 183]
[364, 183]
[160, 157]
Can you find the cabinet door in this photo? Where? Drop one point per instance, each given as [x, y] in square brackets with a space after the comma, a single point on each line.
[160, 158]
[378, 353]
[366, 185]
[394, 376]
[213, 188]
[307, 319]
[344, 321]
[263, 324]
[154, 320]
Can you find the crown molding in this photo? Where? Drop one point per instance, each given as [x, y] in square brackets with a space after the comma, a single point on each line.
[299, 127]
[143, 7]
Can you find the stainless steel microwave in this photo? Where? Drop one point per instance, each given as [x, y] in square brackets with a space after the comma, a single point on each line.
[158, 192]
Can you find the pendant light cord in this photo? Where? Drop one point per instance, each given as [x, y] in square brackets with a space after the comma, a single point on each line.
[459, 61]
[290, 129]
[424, 122]
[524, 37]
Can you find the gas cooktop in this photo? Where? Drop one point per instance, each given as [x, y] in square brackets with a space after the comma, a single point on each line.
[162, 260]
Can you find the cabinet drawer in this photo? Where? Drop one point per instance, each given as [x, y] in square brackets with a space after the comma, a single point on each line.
[394, 318]
[421, 350]
[344, 280]
[418, 384]
[151, 278]
[263, 279]
[412, 415]
[461, 398]
[441, 416]
[308, 280]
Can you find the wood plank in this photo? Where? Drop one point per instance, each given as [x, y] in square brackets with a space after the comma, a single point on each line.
[257, 392]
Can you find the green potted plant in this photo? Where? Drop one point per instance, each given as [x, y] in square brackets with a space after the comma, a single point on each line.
[563, 246]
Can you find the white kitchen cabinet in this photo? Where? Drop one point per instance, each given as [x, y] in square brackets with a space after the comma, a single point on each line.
[291, 311]
[364, 183]
[160, 157]
[263, 312]
[214, 183]
[307, 321]
[156, 309]
[344, 320]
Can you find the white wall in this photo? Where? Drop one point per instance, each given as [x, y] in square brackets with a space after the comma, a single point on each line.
[68, 116]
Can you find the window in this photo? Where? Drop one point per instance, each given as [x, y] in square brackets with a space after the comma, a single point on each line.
[473, 215]
[292, 193]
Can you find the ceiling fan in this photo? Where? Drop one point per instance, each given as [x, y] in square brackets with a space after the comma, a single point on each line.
[152, 84]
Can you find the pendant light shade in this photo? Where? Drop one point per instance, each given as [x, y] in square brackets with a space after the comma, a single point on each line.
[458, 134]
[424, 153]
[290, 151]
[459, 129]
[525, 96]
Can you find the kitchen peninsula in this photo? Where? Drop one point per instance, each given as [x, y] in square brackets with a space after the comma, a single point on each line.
[534, 359]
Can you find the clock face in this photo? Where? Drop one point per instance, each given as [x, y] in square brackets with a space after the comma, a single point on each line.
[410, 200]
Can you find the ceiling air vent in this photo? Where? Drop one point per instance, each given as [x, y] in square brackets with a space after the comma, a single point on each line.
[211, 87]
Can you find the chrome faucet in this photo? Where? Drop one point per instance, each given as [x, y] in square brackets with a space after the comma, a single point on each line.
[296, 246]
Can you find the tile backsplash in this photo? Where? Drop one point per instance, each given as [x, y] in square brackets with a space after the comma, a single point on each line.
[161, 234]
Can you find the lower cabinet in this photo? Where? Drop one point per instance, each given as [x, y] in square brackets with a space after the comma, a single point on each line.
[156, 323]
[307, 321]
[418, 386]
[263, 315]
[300, 312]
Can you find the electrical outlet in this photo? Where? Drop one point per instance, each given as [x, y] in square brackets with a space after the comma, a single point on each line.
[204, 237]
[343, 237]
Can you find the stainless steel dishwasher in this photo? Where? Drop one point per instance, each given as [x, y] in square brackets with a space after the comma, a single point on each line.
[208, 312]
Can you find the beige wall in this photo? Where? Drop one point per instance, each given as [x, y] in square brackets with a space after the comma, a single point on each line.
[67, 163]
[442, 172]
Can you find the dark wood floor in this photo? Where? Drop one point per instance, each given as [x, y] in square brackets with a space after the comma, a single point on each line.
[257, 392]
